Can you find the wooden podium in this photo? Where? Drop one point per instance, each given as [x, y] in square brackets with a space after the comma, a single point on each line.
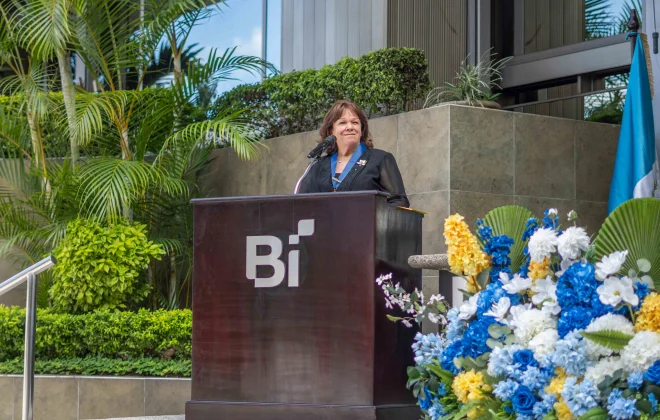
[288, 322]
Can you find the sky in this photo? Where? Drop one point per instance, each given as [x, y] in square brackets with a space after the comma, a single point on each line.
[239, 24]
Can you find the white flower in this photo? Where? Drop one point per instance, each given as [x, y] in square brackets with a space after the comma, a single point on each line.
[469, 308]
[606, 322]
[544, 343]
[517, 284]
[641, 352]
[610, 264]
[434, 318]
[552, 212]
[614, 291]
[546, 294]
[606, 367]
[528, 323]
[542, 244]
[572, 243]
[500, 309]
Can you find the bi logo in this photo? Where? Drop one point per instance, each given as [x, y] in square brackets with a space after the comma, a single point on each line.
[272, 259]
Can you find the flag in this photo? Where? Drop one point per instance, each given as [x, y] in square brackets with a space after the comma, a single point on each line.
[636, 166]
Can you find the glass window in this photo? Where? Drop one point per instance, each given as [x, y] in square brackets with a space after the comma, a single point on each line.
[539, 25]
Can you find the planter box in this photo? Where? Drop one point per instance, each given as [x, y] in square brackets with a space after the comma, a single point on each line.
[86, 397]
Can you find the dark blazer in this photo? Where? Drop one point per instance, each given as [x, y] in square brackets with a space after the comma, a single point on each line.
[380, 173]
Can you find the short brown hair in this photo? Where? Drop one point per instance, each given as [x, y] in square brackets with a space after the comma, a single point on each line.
[335, 113]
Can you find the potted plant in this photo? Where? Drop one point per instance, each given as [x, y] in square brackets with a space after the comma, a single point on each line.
[474, 85]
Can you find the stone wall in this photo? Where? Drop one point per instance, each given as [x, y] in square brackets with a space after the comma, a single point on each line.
[457, 159]
[78, 398]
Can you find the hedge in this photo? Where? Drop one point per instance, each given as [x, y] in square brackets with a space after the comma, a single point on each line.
[127, 335]
[383, 82]
[90, 366]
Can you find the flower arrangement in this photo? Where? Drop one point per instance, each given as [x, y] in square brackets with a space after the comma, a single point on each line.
[566, 336]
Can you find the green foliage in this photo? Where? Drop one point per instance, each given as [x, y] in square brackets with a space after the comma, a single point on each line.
[633, 226]
[383, 82]
[609, 112]
[99, 267]
[612, 339]
[126, 335]
[90, 366]
[596, 413]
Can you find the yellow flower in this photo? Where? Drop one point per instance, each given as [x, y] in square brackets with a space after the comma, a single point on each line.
[557, 383]
[648, 318]
[463, 251]
[539, 270]
[467, 386]
[562, 410]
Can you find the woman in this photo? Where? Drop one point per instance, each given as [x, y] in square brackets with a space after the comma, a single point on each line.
[353, 164]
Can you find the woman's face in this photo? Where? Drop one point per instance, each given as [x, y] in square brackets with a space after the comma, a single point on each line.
[348, 130]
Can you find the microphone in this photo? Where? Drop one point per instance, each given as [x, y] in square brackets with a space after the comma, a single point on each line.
[322, 147]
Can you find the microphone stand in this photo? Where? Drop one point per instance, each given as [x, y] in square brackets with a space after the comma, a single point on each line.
[309, 166]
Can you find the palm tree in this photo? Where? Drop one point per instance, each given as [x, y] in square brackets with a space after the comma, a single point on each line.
[143, 148]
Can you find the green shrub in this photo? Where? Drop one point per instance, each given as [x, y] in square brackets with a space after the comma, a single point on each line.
[145, 366]
[161, 334]
[383, 82]
[99, 267]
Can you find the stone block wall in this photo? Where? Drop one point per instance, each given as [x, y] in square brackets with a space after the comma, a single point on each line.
[457, 159]
[78, 398]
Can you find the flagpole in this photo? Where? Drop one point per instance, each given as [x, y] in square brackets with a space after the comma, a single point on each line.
[633, 27]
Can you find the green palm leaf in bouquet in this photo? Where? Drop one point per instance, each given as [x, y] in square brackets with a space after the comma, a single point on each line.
[633, 226]
[510, 221]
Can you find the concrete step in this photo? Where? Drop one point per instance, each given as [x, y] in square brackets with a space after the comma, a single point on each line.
[180, 417]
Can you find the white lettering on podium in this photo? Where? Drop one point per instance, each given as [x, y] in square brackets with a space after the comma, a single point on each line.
[252, 260]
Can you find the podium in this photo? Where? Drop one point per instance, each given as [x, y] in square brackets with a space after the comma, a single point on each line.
[288, 322]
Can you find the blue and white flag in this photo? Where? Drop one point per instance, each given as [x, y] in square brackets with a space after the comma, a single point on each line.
[636, 167]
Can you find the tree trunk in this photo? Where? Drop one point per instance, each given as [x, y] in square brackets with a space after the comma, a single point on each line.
[69, 94]
[37, 152]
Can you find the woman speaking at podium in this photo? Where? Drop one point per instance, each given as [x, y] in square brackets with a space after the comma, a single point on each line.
[350, 163]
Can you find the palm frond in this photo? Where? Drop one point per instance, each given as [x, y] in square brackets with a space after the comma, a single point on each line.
[110, 186]
[42, 26]
[215, 69]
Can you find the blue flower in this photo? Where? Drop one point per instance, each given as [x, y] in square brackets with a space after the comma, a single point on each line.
[535, 378]
[641, 290]
[427, 347]
[576, 318]
[621, 408]
[525, 358]
[635, 380]
[580, 398]
[543, 407]
[504, 390]
[577, 286]
[452, 351]
[570, 354]
[500, 361]
[425, 399]
[531, 226]
[523, 401]
[654, 403]
[456, 325]
[476, 335]
[437, 410]
[442, 389]
[653, 373]
[492, 294]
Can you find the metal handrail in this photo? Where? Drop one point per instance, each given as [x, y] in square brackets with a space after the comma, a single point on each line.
[29, 275]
